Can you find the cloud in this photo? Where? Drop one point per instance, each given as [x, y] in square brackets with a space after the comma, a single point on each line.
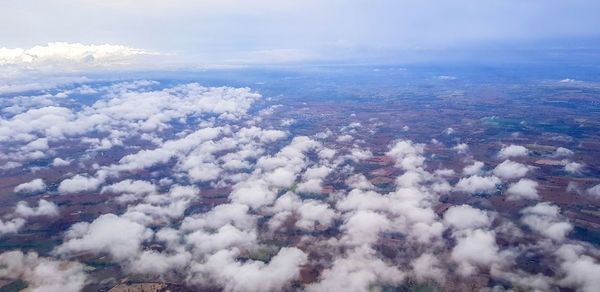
[34, 186]
[580, 271]
[510, 169]
[475, 248]
[359, 181]
[44, 208]
[251, 275]
[428, 266]
[477, 184]
[363, 227]
[594, 191]
[461, 148]
[513, 151]
[357, 271]
[130, 186]
[73, 55]
[562, 152]
[523, 189]
[117, 236]
[466, 217]
[60, 162]
[223, 238]
[574, 167]
[407, 154]
[41, 273]
[79, 183]
[11, 226]
[545, 219]
[474, 168]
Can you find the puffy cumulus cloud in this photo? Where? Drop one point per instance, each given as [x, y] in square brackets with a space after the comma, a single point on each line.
[523, 189]
[132, 109]
[510, 169]
[130, 189]
[60, 162]
[11, 226]
[428, 267]
[44, 208]
[574, 167]
[225, 237]
[474, 168]
[306, 214]
[363, 227]
[312, 179]
[408, 155]
[223, 269]
[475, 248]
[477, 184]
[562, 152]
[359, 181]
[234, 214]
[538, 282]
[513, 151]
[109, 233]
[79, 183]
[162, 207]
[312, 212]
[466, 217]
[357, 271]
[406, 210]
[594, 191]
[34, 186]
[253, 193]
[580, 271]
[42, 274]
[157, 263]
[461, 148]
[545, 219]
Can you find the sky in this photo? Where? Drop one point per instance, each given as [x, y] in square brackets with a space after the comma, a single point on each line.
[269, 31]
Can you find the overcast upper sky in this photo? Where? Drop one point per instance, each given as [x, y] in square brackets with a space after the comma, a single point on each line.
[276, 30]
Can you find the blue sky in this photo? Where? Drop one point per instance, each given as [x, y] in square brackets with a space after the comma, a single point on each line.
[269, 31]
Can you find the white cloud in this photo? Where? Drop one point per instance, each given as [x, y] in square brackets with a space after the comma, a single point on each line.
[356, 272]
[34, 186]
[363, 227]
[60, 162]
[474, 168]
[475, 248]
[408, 155]
[561, 152]
[11, 226]
[119, 237]
[234, 275]
[131, 189]
[510, 169]
[523, 189]
[42, 273]
[44, 208]
[225, 237]
[79, 183]
[72, 55]
[574, 167]
[466, 217]
[427, 266]
[478, 184]
[359, 181]
[513, 151]
[545, 219]
[461, 148]
[594, 191]
[580, 271]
